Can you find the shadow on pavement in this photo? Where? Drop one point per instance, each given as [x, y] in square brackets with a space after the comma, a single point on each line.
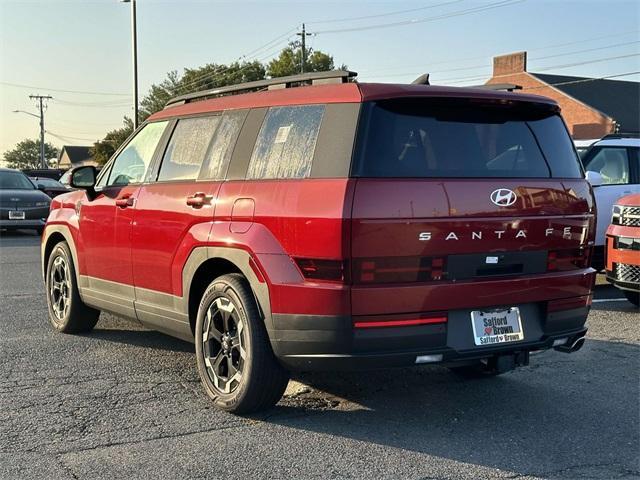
[528, 421]
[142, 338]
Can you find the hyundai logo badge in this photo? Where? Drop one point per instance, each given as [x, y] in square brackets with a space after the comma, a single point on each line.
[503, 197]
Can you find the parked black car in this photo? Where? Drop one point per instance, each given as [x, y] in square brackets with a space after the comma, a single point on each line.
[51, 187]
[22, 205]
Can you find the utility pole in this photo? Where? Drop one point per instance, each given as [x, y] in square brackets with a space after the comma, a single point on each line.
[134, 46]
[40, 99]
[304, 35]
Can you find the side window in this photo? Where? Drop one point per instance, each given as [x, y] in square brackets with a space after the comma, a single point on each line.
[187, 148]
[132, 163]
[222, 145]
[612, 163]
[286, 142]
[103, 176]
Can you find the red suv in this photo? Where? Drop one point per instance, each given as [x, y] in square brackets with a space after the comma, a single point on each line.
[337, 225]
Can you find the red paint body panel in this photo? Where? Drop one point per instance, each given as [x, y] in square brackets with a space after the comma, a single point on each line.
[166, 230]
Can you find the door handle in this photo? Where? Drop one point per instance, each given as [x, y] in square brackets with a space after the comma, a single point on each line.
[199, 199]
[124, 202]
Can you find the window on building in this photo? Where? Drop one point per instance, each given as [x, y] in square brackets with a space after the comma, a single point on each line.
[286, 142]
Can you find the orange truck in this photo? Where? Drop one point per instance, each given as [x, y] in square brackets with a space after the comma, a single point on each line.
[623, 247]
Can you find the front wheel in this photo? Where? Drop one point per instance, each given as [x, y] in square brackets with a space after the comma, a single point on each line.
[235, 361]
[633, 297]
[67, 312]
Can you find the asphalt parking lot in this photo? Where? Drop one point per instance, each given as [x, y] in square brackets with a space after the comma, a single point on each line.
[125, 402]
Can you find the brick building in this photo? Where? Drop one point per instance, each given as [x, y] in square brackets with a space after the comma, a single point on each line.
[591, 107]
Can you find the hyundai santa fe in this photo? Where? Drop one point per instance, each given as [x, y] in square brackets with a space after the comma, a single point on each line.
[317, 223]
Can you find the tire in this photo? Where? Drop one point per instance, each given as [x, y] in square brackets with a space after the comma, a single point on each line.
[67, 312]
[235, 361]
[633, 297]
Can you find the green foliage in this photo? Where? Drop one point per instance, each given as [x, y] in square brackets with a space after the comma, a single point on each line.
[289, 62]
[102, 150]
[208, 77]
[26, 154]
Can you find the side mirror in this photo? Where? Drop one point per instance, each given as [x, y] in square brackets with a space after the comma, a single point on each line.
[594, 178]
[41, 187]
[84, 178]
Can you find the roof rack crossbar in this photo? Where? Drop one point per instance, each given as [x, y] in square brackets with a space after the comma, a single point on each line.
[313, 78]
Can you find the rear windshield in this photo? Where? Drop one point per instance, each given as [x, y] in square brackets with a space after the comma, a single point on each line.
[439, 139]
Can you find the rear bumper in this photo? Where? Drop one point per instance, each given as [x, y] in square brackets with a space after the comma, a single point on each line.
[308, 342]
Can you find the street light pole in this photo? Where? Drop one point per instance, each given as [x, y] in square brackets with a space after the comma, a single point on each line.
[134, 46]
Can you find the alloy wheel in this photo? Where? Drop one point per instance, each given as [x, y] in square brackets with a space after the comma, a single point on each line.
[60, 287]
[223, 345]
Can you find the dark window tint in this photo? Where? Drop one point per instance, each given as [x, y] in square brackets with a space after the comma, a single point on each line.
[557, 147]
[612, 163]
[15, 181]
[187, 148]
[221, 148]
[454, 139]
[286, 142]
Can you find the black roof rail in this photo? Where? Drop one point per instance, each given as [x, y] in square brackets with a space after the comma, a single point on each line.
[509, 87]
[312, 78]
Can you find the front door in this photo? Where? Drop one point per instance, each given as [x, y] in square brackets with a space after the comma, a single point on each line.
[105, 222]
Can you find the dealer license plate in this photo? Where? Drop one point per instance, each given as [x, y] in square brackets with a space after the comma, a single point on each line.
[496, 326]
[16, 215]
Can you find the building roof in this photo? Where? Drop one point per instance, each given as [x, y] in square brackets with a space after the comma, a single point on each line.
[76, 154]
[617, 99]
[339, 93]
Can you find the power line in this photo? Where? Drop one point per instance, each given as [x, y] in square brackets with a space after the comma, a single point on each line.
[80, 92]
[388, 14]
[484, 57]
[533, 58]
[468, 11]
[200, 78]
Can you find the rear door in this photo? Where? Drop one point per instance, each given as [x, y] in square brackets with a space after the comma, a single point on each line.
[456, 193]
[174, 211]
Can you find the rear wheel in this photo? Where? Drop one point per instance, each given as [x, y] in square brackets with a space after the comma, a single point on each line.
[67, 312]
[235, 362]
[633, 297]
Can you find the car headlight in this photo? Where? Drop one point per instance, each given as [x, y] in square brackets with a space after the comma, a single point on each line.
[42, 204]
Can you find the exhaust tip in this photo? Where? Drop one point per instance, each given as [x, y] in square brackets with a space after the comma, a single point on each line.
[571, 347]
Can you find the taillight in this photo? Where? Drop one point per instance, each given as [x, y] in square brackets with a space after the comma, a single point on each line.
[568, 259]
[398, 269]
[569, 303]
[321, 269]
[403, 321]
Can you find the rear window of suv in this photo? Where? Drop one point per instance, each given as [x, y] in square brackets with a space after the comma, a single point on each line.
[452, 139]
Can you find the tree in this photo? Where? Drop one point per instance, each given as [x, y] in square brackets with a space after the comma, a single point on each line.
[289, 61]
[103, 149]
[208, 77]
[26, 154]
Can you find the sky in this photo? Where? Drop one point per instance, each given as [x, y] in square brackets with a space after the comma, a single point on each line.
[79, 51]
